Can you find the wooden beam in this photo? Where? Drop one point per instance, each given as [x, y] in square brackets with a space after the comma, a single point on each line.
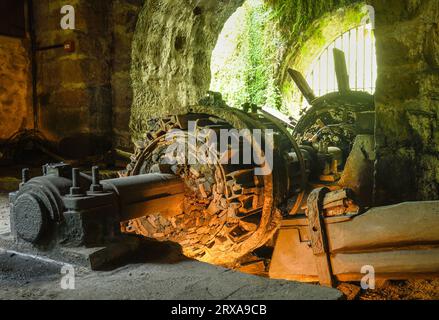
[303, 86]
[341, 71]
[318, 237]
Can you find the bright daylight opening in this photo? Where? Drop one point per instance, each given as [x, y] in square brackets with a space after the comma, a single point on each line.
[247, 58]
[358, 44]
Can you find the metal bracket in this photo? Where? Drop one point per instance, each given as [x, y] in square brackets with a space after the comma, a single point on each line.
[318, 237]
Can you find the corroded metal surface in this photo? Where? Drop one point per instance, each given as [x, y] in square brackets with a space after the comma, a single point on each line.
[228, 210]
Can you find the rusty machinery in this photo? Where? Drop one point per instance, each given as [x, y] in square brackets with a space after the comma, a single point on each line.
[314, 204]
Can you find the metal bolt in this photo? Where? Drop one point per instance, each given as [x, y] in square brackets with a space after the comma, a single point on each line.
[75, 177]
[95, 174]
[96, 186]
[25, 175]
[75, 190]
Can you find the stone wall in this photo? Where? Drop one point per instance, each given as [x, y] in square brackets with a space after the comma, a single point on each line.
[308, 45]
[407, 100]
[15, 87]
[74, 89]
[156, 53]
[86, 94]
[124, 18]
[172, 49]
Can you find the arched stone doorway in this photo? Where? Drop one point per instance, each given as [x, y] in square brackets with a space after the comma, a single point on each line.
[256, 48]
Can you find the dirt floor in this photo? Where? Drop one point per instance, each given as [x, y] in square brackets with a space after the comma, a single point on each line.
[160, 279]
[405, 290]
[183, 278]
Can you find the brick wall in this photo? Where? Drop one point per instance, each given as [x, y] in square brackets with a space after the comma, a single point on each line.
[74, 89]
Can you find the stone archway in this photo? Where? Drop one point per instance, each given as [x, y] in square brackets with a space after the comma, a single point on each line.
[264, 38]
[314, 39]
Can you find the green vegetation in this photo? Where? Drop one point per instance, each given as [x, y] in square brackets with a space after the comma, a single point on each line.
[255, 44]
[247, 73]
[294, 16]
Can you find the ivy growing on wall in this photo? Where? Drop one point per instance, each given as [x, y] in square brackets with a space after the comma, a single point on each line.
[253, 44]
[261, 57]
[247, 74]
[294, 16]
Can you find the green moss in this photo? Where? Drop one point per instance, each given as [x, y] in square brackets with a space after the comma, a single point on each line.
[278, 33]
[249, 74]
[294, 16]
[320, 33]
[306, 46]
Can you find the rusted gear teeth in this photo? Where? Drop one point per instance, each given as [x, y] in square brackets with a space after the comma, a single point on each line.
[223, 207]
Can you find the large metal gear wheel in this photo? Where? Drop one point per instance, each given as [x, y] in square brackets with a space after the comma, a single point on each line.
[228, 210]
[331, 118]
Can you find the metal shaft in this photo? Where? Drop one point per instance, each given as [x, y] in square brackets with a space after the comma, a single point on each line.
[147, 194]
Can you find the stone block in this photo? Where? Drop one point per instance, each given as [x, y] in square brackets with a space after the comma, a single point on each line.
[395, 175]
[15, 87]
